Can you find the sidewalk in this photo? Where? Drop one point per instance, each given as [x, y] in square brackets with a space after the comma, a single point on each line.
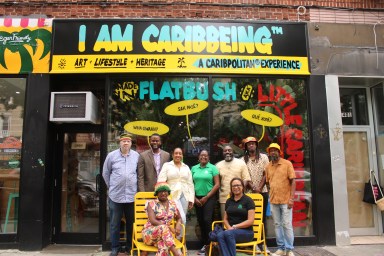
[68, 250]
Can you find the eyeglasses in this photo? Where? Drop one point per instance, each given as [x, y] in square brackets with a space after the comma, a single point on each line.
[237, 185]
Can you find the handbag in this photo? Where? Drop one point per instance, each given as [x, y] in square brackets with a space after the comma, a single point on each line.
[215, 251]
[213, 234]
[373, 193]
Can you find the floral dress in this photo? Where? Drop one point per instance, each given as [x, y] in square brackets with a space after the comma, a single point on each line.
[160, 236]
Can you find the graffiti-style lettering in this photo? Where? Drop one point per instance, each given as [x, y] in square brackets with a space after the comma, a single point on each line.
[172, 90]
[294, 147]
[197, 39]
[247, 92]
[81, 44]
[114, 40]
[126, 91]
[293, 137]
[224, 91]
[298, 218]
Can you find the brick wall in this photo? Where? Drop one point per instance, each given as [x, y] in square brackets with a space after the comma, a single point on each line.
[217, 9]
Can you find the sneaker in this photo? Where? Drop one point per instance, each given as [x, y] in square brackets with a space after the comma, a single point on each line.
[202, 250]
[258, 249]
[290, 253]
[266, 249]
[279, 252]
[114, 253]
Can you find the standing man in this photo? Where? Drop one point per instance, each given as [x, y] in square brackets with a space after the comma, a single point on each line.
[230, 168]
[256, 163]
[120, 176]
[280, 176]
[150, 163]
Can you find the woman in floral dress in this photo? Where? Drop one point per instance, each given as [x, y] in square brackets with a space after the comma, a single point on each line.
[158, 230]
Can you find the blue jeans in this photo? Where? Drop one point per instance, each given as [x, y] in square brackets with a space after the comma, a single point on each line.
[228, 239]
[282, 217]
[116, 211]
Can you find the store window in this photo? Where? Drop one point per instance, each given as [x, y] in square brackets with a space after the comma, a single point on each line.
[354, 110]
[12, 93]
[272, 110]
[197, 113]
[134, 102]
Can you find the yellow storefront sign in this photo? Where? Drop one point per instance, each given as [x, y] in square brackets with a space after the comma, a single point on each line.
[159, 63]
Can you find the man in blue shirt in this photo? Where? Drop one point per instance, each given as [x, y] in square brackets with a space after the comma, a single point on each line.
[120, 176]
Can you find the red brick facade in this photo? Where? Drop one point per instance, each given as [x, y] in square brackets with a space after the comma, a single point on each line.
[206, 9]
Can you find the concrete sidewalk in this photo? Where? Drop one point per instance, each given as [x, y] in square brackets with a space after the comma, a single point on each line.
[68, 250]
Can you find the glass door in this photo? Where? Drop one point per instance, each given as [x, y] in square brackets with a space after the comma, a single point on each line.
[363, 217]
[77, 186]
[360, 158]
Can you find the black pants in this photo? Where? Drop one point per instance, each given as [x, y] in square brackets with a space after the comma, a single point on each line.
[265, 203]
[204, 216]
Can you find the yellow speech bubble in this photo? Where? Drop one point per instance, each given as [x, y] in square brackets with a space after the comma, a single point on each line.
[262, 118]
[146, 128]
[186, 107]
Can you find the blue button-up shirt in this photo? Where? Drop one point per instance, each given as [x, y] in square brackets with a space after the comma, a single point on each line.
[120, 175]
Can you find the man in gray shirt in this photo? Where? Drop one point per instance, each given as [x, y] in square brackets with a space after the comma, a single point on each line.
[120, 176]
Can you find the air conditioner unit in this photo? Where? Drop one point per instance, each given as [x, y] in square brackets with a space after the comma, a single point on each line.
[73, 107]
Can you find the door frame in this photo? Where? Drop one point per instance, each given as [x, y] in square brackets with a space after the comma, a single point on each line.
[75, 238]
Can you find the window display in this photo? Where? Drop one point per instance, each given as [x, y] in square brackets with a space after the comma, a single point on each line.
[197, 113]
[12, 93]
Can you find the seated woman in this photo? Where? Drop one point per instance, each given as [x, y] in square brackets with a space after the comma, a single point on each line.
[158, 230]
[238, 219]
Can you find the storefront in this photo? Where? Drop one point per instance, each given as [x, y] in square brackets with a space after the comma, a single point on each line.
[200, 84]
[349, 56]
[24, 49]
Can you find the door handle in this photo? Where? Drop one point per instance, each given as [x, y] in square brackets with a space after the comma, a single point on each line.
[98, 183]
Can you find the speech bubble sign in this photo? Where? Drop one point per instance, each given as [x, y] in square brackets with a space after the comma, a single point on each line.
[262, 118]
[186, 107]
[146, 128]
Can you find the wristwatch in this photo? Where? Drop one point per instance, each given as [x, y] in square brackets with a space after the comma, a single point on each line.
[234, 226]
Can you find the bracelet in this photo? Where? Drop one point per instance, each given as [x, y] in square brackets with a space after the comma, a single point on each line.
[234, 226]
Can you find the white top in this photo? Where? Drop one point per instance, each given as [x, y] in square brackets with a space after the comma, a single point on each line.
[179, 180]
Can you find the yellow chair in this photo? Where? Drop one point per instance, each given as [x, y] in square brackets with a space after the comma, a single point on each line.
[258, 229]
[140, 219]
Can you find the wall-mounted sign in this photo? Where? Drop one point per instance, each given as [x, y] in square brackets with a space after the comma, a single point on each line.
[25, 45]
[78, 145]
[121, 46]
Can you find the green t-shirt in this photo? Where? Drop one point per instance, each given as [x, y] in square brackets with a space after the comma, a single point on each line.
[203, 178]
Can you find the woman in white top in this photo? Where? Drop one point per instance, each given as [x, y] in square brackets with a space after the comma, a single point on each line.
[179, 178]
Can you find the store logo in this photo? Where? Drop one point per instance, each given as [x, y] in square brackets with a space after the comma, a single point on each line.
[20, 42]
[15, 39]
[127, 91]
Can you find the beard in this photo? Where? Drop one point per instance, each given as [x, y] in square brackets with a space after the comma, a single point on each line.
[252, 151]
[228, 158]
[274, 158]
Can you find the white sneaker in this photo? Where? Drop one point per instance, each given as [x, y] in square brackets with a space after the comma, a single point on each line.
[266, 249]
[202, 250]
[279, 252]
[290, 253]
